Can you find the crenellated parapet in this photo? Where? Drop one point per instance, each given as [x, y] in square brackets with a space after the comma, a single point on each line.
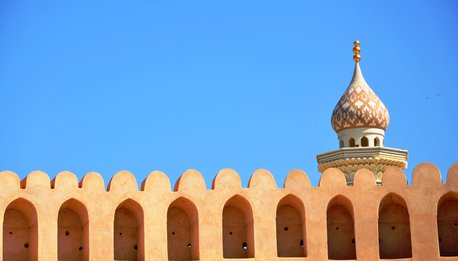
[67, 219]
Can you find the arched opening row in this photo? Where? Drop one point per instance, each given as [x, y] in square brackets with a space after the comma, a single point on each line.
[363, 142]
[20, 231]
[393, 229]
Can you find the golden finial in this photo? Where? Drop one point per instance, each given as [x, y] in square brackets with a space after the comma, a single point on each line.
[356, 51]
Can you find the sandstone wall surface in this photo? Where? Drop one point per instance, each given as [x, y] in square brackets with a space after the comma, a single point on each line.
[63, 219]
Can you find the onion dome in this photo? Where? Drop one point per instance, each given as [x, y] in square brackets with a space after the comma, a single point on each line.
[359, 106]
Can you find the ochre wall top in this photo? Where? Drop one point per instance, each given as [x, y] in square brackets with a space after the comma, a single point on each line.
[191, 180]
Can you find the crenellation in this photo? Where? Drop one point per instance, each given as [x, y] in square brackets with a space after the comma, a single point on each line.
[36, 179]
[156, 180]
[92, 181]
[297, 180]
[427, 176]
[332, 178]
[364, 178]
[226, 179]
[394, 178]
[452, 175]
[65, 180]
[191, 180]
[262, 179]
[123, 181]
[9, 180]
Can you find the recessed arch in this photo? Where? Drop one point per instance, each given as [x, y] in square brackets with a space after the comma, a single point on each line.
[128, 231]
[394, 228]
[447, 224]
[376, 141]
[238, 229]
[290, 224]
[73, 231]
[364, 142]
[340, 229]
[341, 144]
[351, 142]
[182, 230]
[20, 231]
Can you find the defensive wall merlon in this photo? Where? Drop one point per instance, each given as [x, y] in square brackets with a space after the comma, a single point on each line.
[231, 221]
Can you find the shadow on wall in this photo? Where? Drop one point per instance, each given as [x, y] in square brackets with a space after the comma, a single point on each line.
[291, 227]
[447, 224]
[182, 230]
[128, 231]
[238, 231]
[73, 233]
[394, 228]
[20, 231]
[341, 231]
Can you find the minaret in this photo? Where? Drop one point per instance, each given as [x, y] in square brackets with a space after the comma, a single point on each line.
[360, 120]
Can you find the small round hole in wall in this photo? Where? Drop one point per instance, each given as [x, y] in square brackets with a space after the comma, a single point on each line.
[80, 248]
[173, 233]
[337, 228]
[440, 240]
[189, 245]
[135, 247]
[230, 233]
[120, 233]
[393, 228]
[353, 240]
[285, 228]
[11, 233]
[67, 233]
[26, 245]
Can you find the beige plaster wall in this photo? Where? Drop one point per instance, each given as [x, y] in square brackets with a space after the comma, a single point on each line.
[39, 213]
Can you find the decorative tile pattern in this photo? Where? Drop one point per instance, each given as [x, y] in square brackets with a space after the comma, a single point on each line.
[359, 107]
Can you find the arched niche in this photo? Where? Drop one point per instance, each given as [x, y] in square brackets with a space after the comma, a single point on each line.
[128, 231]
[447, 224]
[73, 231]
[351, 142]
[182, 230]
[364, 142]
[376, 142]
[290, 219]
[238, 230]
[20, 231]
[394, 228]
[340, 229]
[341, 144]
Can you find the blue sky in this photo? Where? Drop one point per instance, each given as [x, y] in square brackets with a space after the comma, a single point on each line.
[172, 85]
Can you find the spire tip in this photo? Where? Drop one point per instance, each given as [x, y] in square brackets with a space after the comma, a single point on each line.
[356, 51]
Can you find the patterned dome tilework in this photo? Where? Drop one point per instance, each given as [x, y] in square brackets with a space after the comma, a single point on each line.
[359, 107]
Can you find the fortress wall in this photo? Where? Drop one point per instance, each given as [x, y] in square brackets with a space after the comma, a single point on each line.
[44, 219]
